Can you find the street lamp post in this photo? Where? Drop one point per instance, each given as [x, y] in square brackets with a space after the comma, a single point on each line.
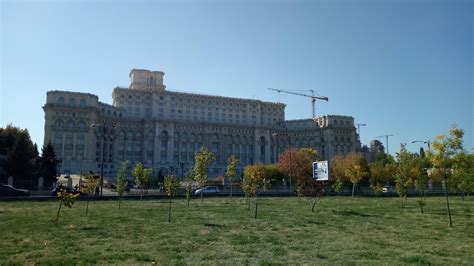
[427, 142]
[182, 169]
[103, 154]
[289, 148]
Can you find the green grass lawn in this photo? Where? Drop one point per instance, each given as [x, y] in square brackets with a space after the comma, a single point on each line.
[223, 231]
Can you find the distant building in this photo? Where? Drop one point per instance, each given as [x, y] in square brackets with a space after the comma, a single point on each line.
[163, 129]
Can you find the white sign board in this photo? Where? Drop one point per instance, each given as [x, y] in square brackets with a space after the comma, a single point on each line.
[321, 170]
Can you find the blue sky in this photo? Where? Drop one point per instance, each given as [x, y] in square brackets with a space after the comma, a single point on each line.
[402, 67]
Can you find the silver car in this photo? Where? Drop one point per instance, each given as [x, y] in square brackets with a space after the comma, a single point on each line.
[207, 191]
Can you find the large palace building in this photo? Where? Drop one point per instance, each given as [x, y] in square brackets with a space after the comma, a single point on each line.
[163, 129]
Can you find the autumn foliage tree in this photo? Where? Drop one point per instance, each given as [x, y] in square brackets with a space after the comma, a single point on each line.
[381, 171]
[442, 157]
[188, 184]
[202, 158]
[356, 169]
[89, 186]
[256, 178]
[300, 166]
[232, 170]
[65, 198]
[462, 179]
[142, 177]
[406, 171]
[171, 184]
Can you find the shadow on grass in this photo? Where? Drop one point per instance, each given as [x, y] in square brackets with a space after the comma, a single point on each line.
[213, 225]
[353, 213]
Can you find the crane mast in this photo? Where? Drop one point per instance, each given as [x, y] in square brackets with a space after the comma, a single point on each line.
[386, 139]
[313, 98]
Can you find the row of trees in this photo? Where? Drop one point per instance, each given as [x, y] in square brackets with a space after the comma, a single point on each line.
[19, 158]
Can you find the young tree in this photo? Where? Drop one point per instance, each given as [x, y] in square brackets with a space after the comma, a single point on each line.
[421, 181]
[171, 185]
[142, 177]
[338, 166]
[202, 158]
[442, 157]
[48, 165]
[91, 183]
[244, 184]
[356, 169]
[231, 170]
[121, 181]
[381, 171]
[188, 183]
[255, 176]
[65, 198]
[406, 171]
[462, 179]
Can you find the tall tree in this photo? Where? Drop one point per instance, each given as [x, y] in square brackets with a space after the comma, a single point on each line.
[445, 148]
[19, 156]
[202, 158]
[300, 166]
[121, 181]
[232, 170]
[48, 165]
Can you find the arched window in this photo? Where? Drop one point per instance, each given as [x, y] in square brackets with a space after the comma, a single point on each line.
[70, 124]
[151, 81]
[61, 101]
[81, 125]
[83, 103]
[59, 123]
[262, 148]
[72, 102]
[80, 139]
[58, 138]
[164, 145]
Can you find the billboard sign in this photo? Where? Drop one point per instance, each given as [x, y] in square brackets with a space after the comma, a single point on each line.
[321, 170]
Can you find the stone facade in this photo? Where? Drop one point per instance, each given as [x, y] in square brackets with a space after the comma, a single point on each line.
[163, 129]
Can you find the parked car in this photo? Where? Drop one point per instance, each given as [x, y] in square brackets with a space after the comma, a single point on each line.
[9, 191]
[388, 189]
[55, 191]
[207, 191]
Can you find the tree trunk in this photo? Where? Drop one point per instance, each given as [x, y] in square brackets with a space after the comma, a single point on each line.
[314, 204]
[57, 215]
[421, 202]
[201, 196]
[169, 211]
[339, 203]
[87, 207]
[188, 197]
[353, 189]
[120, 201]
[447, 200]
[141, 195]
[256, 205]
[231, 189]
[401, 203]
